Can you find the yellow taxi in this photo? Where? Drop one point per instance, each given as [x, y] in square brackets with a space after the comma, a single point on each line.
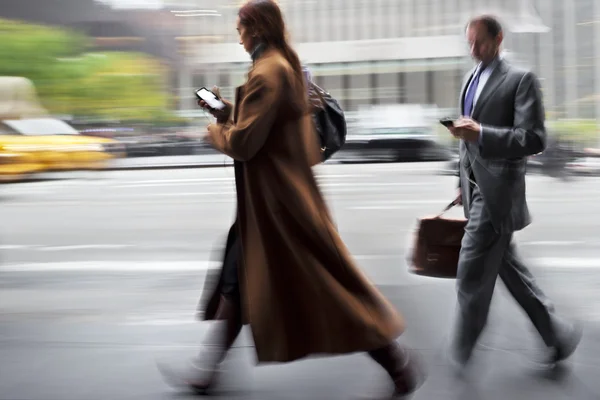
[16, 166]
[56, 145]
[32, 141]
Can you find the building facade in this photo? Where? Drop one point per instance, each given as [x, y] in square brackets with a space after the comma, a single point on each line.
[405, 51]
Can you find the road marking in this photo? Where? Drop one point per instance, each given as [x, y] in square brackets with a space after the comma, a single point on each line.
[398, 207]
[567, 263]
[162, 322]
[332, 176]
[391, 167]
[175, 317]
[190, 266]
[404, 206]
[366, 257]
[112, 266]
[129, 201]
[359, 185]
[228, 193]
[192, 245]
[36, 247]
[86, 247]
[25, 192]
[554, 243]
[17, 246]
[179, 180]
[174, 182]
[397, 204]
[184, 182]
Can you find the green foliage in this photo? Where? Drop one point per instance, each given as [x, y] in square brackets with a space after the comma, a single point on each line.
[28, 50]
[584, 131]
[118, 85]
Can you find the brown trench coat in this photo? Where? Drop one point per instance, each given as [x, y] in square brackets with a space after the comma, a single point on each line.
[302, 293]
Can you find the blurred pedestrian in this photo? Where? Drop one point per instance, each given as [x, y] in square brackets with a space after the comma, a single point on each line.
[502, 124]
[287, 272]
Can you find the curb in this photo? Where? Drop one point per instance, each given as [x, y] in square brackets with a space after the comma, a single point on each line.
[67, 175]
[168, 166]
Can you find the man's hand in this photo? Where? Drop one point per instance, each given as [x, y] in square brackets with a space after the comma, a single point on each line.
[466, 129]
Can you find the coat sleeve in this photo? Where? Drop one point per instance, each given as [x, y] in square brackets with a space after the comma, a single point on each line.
[527, 136]
[256, 116]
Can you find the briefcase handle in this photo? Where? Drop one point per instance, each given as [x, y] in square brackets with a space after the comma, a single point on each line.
[447, 208]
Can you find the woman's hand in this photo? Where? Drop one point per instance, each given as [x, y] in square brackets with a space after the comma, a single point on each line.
[207, 135]
[220, 115]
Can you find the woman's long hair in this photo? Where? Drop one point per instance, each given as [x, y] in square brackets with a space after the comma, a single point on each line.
[264, 17]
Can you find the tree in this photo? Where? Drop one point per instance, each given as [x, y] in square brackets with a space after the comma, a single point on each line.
[113, 84]
[27, 50]
[118, 85]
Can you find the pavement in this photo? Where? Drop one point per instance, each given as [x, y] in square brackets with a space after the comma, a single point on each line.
[100, 276]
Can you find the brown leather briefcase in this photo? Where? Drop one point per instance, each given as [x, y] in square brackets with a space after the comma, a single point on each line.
[436, 246]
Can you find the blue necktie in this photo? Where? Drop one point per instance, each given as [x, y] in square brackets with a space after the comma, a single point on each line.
[470, 95]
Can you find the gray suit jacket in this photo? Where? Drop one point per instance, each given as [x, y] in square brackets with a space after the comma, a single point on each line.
[511, 112]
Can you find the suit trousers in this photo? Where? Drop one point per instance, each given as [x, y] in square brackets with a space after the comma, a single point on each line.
[485, 255]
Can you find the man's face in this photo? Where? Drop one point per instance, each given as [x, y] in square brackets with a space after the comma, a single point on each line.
[483, 47]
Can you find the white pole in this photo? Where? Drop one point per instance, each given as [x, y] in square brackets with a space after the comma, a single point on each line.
[408, 18]
[597, 64]
[546, 54]
[570, 59]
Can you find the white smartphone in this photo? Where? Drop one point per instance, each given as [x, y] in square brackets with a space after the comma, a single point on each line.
[210, 98]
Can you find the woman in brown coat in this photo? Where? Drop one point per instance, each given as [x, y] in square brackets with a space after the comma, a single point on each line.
[286, 271]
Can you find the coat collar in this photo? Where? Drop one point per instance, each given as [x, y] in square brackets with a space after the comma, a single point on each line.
[494, 81]
[258, 52]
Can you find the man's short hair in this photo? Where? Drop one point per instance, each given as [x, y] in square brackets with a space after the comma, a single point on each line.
[493, 26]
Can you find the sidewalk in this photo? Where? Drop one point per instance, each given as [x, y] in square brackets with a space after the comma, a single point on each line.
[170, 162]
[139, 164]
[87, 356]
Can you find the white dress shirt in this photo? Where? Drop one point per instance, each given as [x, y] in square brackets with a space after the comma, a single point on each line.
[483, 79]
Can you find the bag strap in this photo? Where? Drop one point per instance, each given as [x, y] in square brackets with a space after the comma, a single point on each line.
[447, 208]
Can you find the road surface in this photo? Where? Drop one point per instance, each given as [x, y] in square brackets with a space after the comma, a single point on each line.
[99, 278]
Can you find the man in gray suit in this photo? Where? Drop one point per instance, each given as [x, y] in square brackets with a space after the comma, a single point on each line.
[502, 124]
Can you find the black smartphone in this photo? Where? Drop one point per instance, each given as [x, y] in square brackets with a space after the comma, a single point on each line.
[210, 98]
[447, 122]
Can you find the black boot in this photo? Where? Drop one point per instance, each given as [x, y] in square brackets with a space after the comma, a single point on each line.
[401, 366]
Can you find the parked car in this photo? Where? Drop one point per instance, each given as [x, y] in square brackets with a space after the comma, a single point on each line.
[589, 166]
[399, 132]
